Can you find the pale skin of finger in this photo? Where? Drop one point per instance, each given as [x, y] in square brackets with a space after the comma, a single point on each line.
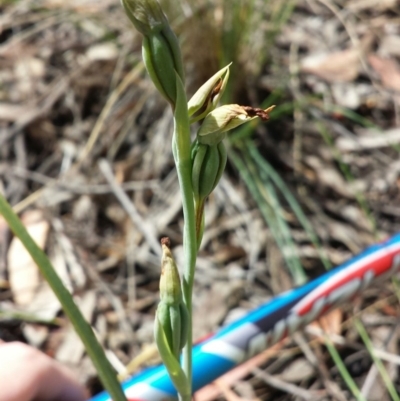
[27, 374]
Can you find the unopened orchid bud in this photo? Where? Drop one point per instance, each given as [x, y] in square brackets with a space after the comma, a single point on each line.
[161, 51]
[208, 165]
[171, 316]
[227, 117]
[208, 95]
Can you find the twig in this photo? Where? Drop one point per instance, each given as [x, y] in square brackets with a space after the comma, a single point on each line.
[78, 188]
[129, 207]
[288, 387]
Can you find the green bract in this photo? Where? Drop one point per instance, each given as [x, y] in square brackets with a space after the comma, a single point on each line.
[208, 95]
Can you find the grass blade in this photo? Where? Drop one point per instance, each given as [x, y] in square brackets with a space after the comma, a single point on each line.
[351, 384]
[378, 363]
[269, 171]
[266, 199]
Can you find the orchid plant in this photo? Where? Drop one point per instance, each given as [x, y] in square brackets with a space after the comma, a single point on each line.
[200, 165]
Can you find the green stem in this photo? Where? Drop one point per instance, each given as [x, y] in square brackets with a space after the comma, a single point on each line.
[83, 329]
[181, 149]
[199, 210]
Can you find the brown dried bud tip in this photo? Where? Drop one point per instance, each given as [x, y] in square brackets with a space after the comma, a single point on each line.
[165, 241]
[256, 112]
[216, 89]
[170, 285]
[214, 92]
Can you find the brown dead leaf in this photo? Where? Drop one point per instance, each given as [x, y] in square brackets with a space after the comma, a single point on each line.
[12, 112]
[341, 66]
[369, 138]
[45, 304]
[330, 323]
[28, 71]
[297, 370]
[390, 45]
[103, 51]
[22, 270]
[85, 6]
[36, 334]
[388, 71]
[72, 349]
[389, 310]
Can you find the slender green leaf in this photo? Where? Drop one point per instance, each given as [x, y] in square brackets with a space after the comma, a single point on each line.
[351, 384]
[378, 363]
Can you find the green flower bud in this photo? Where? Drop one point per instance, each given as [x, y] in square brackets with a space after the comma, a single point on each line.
[161, 51]
[208, 95]
[146, 15]
[172, 319]
[208, 164]
[227, 117]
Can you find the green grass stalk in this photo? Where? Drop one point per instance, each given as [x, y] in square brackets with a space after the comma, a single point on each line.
[351, 384]
[270, 172]
[265, 197]
[378, 363]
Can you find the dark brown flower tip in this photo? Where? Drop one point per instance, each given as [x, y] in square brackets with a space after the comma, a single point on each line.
[216, 89]
[256, 112]
[165, 241]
